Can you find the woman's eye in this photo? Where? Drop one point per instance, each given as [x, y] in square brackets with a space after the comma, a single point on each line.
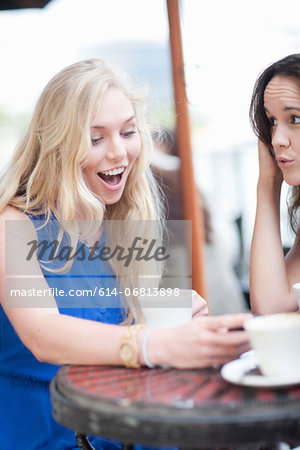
[96, 141]
[129, 133]
[273, 121]
[296, 120]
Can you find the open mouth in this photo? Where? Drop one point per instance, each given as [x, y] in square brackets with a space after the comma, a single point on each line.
[112, 177]
[283, 162]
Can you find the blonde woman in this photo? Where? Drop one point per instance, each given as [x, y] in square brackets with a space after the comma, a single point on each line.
[83, 163]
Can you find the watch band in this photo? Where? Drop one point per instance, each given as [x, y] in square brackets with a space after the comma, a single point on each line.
[128, 348]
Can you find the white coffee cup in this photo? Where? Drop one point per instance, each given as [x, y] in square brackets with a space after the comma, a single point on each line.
[275, 339]
[167, 307]
[296, 288]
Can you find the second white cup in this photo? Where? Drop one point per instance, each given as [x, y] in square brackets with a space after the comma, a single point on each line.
[167, 307]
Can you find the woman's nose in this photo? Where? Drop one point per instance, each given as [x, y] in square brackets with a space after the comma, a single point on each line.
[116, 150]
[280, 137]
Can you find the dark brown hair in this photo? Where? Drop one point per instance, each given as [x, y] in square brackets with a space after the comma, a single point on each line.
[290, 67]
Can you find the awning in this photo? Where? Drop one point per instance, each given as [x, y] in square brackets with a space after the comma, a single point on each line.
[16, 4]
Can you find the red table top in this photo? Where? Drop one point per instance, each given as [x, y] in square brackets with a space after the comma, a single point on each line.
[188, 400]
[166, 387]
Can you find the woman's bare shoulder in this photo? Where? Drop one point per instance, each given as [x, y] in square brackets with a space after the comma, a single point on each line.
[11, 213]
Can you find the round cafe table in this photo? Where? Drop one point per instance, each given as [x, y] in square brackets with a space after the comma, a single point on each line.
[183, 408]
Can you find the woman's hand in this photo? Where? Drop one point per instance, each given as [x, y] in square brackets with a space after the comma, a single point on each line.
[201, 343]
[268, 168]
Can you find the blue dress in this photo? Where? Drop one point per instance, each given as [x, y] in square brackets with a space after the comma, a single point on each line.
[26, 422]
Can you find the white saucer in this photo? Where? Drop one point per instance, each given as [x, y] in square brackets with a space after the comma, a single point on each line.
[237, 372]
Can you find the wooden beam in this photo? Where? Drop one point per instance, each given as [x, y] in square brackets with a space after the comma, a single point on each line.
[190, 195]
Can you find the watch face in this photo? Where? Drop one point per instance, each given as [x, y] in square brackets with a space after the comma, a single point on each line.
[128, 349]
[127, 352]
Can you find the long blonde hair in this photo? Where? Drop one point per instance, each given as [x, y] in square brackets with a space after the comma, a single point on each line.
[45, 176]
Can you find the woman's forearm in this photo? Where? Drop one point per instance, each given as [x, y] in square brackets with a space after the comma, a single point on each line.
[268, 275]
[60, 339]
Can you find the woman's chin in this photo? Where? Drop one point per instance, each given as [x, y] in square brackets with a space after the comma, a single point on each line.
[292, 183]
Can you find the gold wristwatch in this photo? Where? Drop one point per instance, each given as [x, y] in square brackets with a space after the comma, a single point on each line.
[128, 348]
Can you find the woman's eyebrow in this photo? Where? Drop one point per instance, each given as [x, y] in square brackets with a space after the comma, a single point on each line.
[130, 118]
[287, 108]
[96, 127]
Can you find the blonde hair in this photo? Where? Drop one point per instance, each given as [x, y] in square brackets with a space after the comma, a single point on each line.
[45, 176]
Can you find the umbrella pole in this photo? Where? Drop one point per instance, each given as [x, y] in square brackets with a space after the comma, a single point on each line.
[192, 211]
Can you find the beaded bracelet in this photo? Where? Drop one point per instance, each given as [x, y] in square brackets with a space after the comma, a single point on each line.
[144, 349]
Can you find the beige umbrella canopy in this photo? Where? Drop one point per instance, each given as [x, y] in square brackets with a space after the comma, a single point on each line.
[16, 4]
